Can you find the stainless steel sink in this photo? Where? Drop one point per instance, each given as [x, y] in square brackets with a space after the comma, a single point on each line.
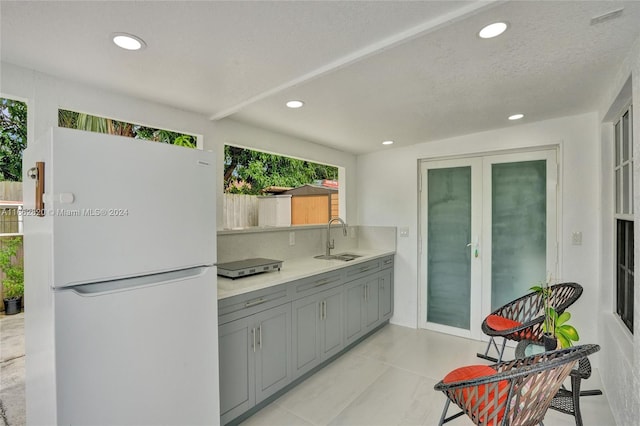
[346, 257]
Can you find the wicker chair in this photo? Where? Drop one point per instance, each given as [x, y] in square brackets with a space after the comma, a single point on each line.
[514, 393]
[522, 318]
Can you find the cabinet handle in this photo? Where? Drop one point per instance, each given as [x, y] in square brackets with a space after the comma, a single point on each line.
[388, 261]
[324, 309]
[366, 268]
[255, 302]
[321, 282]
[260, 336]
[320, 309]
[253, 335]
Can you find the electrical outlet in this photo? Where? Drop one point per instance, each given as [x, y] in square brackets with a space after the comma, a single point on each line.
[292, 238]
[352, 232]
[404, 232]
[576, 238]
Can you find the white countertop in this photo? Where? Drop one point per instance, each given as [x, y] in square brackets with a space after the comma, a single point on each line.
[292, 269]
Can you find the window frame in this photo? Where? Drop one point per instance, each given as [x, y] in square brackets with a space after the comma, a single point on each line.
[623, 216]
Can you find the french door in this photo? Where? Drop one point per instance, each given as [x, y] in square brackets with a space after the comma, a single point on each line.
[488, 228]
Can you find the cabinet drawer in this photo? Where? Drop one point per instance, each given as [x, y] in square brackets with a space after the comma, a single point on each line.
[386, 262]
[244, 305]
[316, 283]
[358, 271]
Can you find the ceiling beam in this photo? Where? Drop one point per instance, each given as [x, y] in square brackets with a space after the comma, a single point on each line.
[370, 50]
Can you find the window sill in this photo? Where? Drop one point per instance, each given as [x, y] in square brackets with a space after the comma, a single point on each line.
[261, 229]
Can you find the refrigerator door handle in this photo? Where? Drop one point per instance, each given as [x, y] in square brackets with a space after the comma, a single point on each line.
[126, 284]
[37, 173]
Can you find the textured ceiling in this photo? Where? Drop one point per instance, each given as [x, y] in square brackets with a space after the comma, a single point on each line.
[368, 71]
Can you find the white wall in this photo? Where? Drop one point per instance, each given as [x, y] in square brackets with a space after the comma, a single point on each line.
[388, 195]
[44, 94]
[620, 353]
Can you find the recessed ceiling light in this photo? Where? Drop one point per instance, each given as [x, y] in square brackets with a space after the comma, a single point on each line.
[295, 104]
[128, 41]
[493, 30]
[516, 116]
[387, 143]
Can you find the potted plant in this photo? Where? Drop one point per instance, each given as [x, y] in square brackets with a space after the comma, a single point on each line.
[564, 333]
[13, 282]
[555, 328]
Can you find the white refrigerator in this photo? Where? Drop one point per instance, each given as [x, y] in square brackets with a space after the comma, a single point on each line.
[120, 287]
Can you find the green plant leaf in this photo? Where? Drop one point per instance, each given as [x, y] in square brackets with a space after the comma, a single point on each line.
[564, 342]
[13, 282]
[569, 332]
[566, 316]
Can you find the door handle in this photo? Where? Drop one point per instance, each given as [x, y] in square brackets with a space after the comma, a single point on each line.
[475, 246]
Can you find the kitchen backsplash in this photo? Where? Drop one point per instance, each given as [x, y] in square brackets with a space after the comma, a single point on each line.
[274, 243]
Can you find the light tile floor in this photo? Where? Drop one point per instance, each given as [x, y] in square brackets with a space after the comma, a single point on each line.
[388, 380]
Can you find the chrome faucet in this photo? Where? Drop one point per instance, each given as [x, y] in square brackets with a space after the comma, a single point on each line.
[330, 242]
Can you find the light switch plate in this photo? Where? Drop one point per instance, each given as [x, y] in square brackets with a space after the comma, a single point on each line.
[292, 238]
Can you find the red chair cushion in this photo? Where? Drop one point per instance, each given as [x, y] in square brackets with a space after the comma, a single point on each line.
[468, 372]
[474, 372]
[499, 323]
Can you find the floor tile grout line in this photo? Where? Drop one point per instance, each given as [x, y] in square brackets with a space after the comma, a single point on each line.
[350, 400]
[293, 413]
[390, 364]
[3, 414]
[355, 397]
[11, 359]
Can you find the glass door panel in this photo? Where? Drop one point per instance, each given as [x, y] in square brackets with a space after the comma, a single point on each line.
[487, 234]
[448, 257]
[519, 229]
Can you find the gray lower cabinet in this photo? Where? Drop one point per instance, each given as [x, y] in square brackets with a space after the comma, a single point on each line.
[317, 329]
[386, 293]
[361, 306]
[237, 368]
[270, 337]
[254, 359]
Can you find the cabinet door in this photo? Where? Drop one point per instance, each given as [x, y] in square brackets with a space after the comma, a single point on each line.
[353, 310]
[307, 314]
[371, 302]
[273, 353]
[236, 364]
[331, 326]
[386, 293]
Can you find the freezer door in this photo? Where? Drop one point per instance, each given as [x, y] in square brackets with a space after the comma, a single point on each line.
[138, 352]
[122, 207]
